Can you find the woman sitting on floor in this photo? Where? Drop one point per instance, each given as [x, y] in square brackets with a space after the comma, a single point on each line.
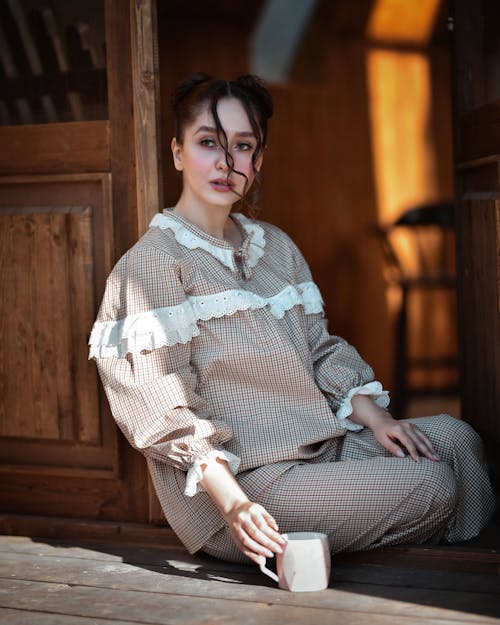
[214, 353]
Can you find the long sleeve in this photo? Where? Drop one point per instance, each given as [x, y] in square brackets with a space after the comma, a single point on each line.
[141, 342]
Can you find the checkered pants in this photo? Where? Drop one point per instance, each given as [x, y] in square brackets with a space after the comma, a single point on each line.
[363, 498]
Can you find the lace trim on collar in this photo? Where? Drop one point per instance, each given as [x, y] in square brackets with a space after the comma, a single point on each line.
[179, 324]
[223, 252]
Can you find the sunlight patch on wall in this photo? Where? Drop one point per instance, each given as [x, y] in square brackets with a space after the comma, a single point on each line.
[403, 21]
[400, 109]
[403, 150]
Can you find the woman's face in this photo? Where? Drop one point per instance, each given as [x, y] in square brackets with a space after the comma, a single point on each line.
[202, 160]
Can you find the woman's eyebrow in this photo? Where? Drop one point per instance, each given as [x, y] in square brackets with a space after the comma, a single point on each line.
[243, 133]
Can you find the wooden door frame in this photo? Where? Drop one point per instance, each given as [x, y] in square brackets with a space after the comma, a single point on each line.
[134, 117]
[477, 184]
[126, 146]
[147, 121]
[135, 139]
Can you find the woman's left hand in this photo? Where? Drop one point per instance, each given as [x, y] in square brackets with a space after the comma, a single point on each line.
[396, 436]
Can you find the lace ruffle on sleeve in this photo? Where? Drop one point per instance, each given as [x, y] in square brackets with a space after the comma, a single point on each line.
[195, 473]
[374, 390]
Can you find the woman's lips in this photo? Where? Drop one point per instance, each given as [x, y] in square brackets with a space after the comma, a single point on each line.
[221, 185]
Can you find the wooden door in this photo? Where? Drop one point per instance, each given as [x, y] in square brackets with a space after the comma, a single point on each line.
[477, 113]
[73, 197]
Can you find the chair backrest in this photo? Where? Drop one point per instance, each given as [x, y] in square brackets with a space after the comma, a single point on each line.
[420, 245]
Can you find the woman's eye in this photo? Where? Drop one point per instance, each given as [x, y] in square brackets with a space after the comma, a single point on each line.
[208, 143]
[244, 147]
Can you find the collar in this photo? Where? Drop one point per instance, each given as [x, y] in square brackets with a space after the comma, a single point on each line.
[192, 237]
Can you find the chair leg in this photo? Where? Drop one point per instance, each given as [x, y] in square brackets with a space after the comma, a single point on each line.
[401, 357]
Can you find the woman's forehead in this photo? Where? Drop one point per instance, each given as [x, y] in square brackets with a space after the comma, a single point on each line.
[232, 116]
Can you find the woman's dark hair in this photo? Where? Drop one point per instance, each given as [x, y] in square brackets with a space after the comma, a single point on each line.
[201, 90]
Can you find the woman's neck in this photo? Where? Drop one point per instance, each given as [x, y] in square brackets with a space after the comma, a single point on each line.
[214, 220]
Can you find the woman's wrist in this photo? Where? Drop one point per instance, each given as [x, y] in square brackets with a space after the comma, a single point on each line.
[222, 487]
[367, 413]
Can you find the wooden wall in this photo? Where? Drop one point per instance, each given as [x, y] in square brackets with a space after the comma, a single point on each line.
[477, 119]
[318, 174]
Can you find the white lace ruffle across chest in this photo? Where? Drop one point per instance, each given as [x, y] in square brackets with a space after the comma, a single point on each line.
[179, 324]
[170, 325]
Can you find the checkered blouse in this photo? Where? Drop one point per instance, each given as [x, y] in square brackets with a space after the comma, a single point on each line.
[205, 349]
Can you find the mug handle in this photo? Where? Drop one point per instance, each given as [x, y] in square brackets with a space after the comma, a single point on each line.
[266, 571]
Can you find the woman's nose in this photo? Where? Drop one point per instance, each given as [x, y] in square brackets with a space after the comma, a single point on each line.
[221, 163]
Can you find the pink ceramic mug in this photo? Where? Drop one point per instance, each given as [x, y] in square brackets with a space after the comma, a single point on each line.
[304, 564]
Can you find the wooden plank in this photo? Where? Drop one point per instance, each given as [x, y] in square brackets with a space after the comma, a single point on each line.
[395, 595]
[38, 308]
[59, 299]
[140, 544]
[479, 259]
[145, 607]
[146, 90]
[15, 259]
[462, 590]
[447, 558]
[27, 617]
[480, 131]
[362, 588]
[55, 148]
[51, 527]
[82, 306]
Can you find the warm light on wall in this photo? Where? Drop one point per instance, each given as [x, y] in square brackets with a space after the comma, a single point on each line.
[404, 156]
[400, 107]
[400, 101]
[403, 21]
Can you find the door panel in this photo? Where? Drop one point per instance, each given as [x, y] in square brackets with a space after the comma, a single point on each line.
[51, 414]
[58, 438]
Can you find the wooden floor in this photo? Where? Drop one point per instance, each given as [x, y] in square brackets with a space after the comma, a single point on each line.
[56, 582]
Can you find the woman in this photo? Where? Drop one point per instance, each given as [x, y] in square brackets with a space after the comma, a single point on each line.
[212, 347]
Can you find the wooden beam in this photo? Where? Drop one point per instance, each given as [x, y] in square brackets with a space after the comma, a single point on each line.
[146, 98]
[66, 148]
[121, 124]
[70, 528]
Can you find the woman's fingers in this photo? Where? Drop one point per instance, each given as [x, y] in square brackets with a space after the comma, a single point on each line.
[259, 529]
[414, 440]
[249, 547]
[425, 446]
[408, 442]
[270, 521]
[392, 447]
[255, 532]
[420, 441]
[257, 542]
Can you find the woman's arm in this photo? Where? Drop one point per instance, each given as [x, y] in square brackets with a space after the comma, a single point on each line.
[389, 432]
[141, 342]
[253, 529]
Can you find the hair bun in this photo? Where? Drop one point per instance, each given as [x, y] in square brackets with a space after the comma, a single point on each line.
[187, 85]
[257, 90]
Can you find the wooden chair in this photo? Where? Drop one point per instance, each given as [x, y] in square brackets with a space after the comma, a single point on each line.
[419, 256]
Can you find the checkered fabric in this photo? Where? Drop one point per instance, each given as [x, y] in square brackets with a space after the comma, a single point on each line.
[200, 349]
[362, 497]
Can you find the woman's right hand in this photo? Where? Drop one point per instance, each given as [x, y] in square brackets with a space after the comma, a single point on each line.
[254, 531]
